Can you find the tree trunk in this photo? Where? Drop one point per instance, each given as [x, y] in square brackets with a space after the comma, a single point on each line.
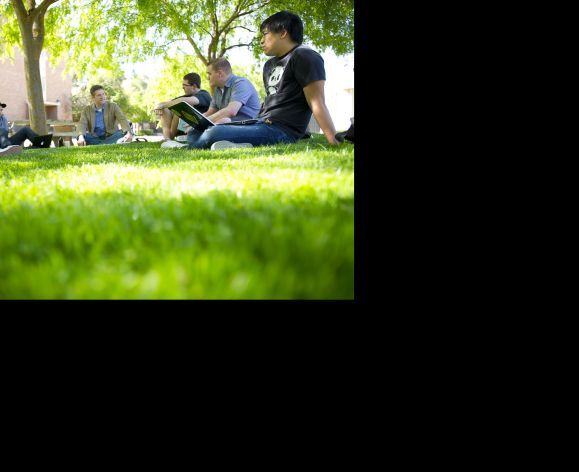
[34, 86]
[31, 23]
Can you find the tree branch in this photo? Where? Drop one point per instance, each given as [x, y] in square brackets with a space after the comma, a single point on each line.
[188, 36]
[224, 50]
[170, 42]
[239, 26]
[41, 9]
[197, 50]
[19, 9]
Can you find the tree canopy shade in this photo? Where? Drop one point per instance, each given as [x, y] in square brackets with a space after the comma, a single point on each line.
[137, 29]
[100, 33]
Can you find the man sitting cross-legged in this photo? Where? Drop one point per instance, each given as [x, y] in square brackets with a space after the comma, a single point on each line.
[99, 121]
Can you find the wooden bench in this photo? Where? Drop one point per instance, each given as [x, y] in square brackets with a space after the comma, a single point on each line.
[58, 128]
[63, 129]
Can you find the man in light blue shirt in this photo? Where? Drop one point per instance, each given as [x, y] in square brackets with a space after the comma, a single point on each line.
[234, 99]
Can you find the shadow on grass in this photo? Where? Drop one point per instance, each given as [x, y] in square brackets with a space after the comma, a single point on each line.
[152, 155]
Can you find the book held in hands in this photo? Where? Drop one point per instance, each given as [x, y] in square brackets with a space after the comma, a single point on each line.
[197, 120]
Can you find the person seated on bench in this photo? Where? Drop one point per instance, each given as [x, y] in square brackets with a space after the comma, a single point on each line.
[18, 138]
[294, 80]
[194, 96]
[99, 122]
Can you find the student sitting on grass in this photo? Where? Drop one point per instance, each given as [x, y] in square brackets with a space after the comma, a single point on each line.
[99, 121]
[20, 136]
[294, 80]
[194, 96]
[234, 99]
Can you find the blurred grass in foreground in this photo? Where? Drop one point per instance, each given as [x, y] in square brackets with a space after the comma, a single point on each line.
[140, 222]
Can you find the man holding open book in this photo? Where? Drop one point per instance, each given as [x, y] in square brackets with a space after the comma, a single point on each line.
[194, 96]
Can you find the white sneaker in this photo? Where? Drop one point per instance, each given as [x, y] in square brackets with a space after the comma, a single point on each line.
[229, 144]
[173, 144]
[10, 150]
[182, 138]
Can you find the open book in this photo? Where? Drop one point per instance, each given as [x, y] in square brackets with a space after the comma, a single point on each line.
[197, 120]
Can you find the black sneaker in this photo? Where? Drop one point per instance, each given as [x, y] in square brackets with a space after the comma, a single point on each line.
[346, 135]
[60, 142]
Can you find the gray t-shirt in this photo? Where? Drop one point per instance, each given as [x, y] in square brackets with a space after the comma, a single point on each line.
[237, 89]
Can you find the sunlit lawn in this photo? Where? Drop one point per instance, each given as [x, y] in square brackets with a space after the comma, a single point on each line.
[141, 222]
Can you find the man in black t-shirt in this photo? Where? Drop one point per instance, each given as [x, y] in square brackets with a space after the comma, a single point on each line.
[294, 80]
[194, 96]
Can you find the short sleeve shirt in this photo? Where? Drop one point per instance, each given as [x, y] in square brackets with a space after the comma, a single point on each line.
[237, 89]
[204, 100]
[284, 79]
[203, 105]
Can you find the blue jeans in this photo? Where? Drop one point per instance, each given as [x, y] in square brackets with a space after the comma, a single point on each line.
[112, 139]
[22, 135]
[258, 134]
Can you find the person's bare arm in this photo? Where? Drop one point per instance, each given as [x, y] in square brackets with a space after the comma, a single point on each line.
[314, 93]
[192, 100]
[226, 113]
[210, 111]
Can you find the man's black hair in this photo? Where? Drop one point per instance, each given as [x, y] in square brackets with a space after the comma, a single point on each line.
[285, 21]
[94, 88]
[193, 79]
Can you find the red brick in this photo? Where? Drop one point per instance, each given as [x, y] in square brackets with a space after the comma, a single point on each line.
[13, 89]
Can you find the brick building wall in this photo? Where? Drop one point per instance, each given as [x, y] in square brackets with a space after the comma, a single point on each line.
[58, 97]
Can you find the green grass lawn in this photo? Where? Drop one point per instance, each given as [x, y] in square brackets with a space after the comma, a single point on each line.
[140, 222]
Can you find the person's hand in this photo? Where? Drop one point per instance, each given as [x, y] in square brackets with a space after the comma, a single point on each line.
[128, 137]
[159, 108]
[81, 141]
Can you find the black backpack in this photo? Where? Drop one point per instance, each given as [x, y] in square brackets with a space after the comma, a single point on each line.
[346, 135]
